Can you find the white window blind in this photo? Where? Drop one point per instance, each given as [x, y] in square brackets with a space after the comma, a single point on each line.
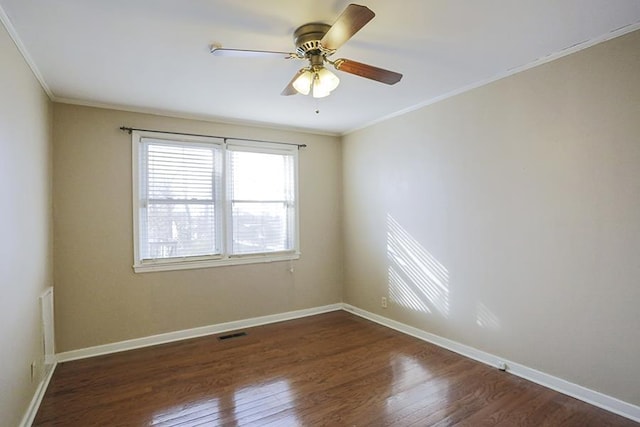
[199, 202]
[178, 199]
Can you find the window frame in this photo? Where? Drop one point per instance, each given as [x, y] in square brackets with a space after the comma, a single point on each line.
[225, 258]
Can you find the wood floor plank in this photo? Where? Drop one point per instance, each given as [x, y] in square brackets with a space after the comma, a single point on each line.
[334, 369]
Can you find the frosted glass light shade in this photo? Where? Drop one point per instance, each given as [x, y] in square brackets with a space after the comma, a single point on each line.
[320, 82]
[328, 80]
[303, 83]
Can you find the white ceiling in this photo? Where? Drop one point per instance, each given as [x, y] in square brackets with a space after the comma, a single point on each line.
[153, 55]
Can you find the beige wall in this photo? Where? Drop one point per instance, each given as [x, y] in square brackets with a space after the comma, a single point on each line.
[508, 218]
[25, 218]
[100, 300]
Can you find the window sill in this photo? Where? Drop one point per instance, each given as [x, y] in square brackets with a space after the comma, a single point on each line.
[151, 266]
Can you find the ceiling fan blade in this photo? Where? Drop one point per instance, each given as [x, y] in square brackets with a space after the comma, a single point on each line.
[367, 71]
[247, 53]
[352, 19]
[289, 89]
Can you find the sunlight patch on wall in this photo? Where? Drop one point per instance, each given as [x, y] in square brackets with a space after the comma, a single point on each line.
[416, 279]
[485, 318]
[403, 294]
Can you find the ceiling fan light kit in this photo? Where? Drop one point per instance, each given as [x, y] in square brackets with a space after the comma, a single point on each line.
[319, 81]
[315, 42]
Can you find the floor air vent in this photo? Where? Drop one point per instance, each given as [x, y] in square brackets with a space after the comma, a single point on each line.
[230, 336]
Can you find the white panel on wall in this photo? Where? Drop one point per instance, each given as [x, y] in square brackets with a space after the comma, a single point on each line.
[46, 307]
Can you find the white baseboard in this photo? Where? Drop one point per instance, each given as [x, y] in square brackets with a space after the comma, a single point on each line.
[191, 333]
[592, 397]
[32, 410]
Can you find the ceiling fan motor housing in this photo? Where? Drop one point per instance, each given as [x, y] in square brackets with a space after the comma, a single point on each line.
[307, 39]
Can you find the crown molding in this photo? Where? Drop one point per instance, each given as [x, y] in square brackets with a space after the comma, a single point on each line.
[8, 25]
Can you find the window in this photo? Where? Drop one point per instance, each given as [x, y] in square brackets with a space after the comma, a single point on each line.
[201, 202]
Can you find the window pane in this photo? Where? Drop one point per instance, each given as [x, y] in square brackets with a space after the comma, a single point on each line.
[260, 227]
[261, 192]
[260, 176]
[180, 230]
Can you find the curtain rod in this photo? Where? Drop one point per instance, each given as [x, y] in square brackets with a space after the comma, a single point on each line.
[129, 130]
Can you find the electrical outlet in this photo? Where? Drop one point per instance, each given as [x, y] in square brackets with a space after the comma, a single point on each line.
[383, 302]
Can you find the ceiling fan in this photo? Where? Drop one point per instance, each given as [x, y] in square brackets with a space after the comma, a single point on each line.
[316, 42]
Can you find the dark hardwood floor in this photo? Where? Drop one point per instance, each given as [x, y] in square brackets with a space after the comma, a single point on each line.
[333, 369]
